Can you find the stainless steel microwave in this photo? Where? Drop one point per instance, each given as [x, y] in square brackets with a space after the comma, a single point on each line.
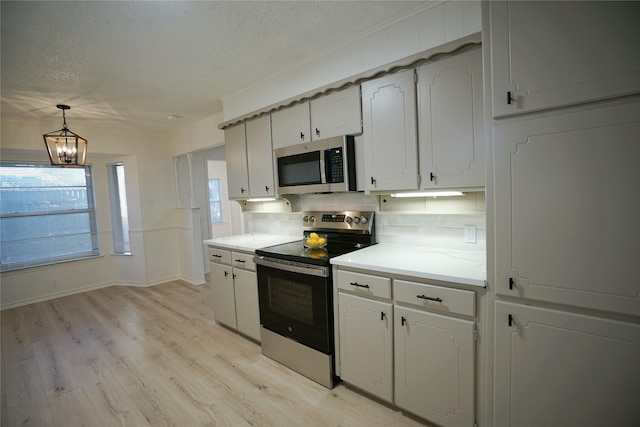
[323, 166]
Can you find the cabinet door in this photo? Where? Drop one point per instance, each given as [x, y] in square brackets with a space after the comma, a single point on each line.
[450, 122]
[567, 203]
[366, 344]
[260, 157]
[390, 132]
[224, 302]
[248, 312]
[550, 54]
[434, 366]
[291, 126]
[335, 114]
[236, 155]
[554, 368]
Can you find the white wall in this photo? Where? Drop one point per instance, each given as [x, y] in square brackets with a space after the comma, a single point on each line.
[425, 29]
[151, 207]
[198, 136]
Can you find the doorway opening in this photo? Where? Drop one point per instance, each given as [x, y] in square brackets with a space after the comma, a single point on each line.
[225, 216]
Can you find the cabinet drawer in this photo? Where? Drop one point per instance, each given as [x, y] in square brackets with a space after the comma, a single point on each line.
[365, 284]
[243, 260]
[435, 297]
[220, 256]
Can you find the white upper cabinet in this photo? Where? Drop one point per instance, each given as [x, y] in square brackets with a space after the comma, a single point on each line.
[390, 132]
[236, 154]
[260, 157]
[567, 200]
[335, 114]
[338, 113]
[557, 53]
[291, 126]
[250, 170]
[450, 122]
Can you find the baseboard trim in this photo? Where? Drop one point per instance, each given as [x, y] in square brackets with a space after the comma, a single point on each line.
[54, 295]
[94, 287]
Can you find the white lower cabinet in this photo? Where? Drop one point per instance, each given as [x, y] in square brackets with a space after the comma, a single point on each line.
[558, 368]
[409, 350]
[235, 291]
[366, 360]
[247, 309]
[224, 300]
[434, 366]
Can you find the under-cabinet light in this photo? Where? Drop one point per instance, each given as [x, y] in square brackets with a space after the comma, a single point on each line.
[430, 194]
[262, 199]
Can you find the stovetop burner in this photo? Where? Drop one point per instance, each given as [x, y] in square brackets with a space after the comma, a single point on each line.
[346, 231]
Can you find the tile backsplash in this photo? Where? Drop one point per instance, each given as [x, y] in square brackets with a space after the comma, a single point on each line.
[284, 223]
[435, 223]
[444, 231]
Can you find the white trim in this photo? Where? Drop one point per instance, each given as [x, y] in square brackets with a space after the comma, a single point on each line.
[55, 295]
[98, 286]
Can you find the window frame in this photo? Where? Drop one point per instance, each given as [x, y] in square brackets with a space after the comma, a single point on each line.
[217, 202]
[90, 210]
[121, 246]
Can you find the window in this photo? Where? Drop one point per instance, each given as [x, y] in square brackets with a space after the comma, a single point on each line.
[119, 215]
[215, 204]
[47, 215]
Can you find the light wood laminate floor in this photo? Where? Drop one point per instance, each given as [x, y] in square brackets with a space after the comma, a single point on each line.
[155, 356]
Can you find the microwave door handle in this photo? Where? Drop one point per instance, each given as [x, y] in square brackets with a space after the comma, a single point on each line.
[323, 174]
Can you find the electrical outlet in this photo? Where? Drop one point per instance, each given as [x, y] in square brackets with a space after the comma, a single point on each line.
[54, 283]
[470, 234]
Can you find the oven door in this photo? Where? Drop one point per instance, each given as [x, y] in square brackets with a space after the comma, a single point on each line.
[296, 304]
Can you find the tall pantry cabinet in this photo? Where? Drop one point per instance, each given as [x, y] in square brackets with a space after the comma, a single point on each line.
[564, 116]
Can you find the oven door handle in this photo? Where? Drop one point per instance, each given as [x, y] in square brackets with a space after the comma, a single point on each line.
[293, 267]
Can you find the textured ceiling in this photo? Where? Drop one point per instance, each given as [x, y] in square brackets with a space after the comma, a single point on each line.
[135, 63]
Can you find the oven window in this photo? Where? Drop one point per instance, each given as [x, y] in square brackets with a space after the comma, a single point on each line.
[291, 299]
[296, 306]
[300, 169]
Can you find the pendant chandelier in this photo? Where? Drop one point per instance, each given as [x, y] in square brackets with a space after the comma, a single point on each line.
[65, 148]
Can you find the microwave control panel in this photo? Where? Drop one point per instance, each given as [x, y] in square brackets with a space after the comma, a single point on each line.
[334, 165]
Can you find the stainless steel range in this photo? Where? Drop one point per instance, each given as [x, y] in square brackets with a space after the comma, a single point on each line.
[296, 291]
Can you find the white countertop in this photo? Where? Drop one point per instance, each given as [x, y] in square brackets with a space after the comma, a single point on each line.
[250, 242]
[464, 267]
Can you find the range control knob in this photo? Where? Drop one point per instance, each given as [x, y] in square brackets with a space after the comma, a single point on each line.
[356, 220]
[312, 218]
[305, 218]
[364, 219]
[349, 220]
